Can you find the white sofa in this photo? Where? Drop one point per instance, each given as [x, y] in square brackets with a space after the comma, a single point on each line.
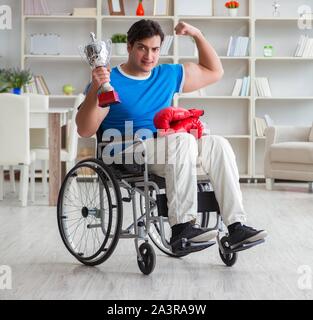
[288, 154]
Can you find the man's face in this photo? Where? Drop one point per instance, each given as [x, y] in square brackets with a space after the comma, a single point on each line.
[144, 54]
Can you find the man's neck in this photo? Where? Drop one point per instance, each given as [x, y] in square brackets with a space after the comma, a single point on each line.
[127, 68]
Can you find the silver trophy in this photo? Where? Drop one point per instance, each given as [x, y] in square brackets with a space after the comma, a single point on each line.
[97, 54]
[276, 6]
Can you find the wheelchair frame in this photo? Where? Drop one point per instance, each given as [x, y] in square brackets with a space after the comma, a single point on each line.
[144, 225]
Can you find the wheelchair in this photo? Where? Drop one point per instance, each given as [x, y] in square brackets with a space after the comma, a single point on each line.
[90, 212]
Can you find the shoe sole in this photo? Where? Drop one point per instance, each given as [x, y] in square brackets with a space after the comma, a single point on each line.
[181, 252]
[207, 236]
[259, 236]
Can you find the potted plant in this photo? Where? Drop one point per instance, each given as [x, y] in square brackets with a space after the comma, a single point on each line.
[120, 43]
[232, 7]
[18, 78]
[4, 81]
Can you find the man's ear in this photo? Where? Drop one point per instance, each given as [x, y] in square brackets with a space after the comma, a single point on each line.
[129, 47]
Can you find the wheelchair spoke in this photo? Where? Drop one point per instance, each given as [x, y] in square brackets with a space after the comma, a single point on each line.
[71, 238]
[69, 219]
[86, 241]
[78, 225]
[93, 232]
[77, 199]
[89, 223]
[70, 226]
[92, 203]
[72, 212]
[81, 238]
[87, 188]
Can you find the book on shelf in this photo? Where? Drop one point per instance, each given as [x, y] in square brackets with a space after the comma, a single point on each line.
[269, 121]
[237, 88]
[262, 87]
[242, 87]
[36, 7]
[304, 47]
[238, 47]
[260, 126]
[166, 45]
[37, 85]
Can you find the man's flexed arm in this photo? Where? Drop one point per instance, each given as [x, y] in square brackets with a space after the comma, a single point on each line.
[90, 115]
[209, 68]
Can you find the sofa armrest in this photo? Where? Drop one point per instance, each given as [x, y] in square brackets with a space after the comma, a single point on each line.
[278, 134]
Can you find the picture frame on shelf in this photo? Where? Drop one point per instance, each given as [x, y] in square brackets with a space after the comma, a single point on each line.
[161, 7]
[199, 8]
[116, 7]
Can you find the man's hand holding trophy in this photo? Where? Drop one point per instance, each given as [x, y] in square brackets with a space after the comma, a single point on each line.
[97, 54]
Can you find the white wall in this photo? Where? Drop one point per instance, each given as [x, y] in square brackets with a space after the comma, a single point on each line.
[10, 40]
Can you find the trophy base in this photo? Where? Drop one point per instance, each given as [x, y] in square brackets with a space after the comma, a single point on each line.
[108, 98]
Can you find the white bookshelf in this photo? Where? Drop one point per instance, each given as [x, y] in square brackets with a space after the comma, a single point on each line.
[290, 77]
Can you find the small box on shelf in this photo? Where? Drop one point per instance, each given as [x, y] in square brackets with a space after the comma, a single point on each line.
[85, 12]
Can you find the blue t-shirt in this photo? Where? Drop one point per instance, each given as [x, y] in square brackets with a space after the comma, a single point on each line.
[142, 98]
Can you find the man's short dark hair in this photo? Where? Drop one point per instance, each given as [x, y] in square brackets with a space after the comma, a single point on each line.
[143, 29]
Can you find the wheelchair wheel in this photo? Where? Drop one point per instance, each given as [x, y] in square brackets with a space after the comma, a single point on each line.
[89, 212]
[155, 231]
[228, 258]
[146, 265]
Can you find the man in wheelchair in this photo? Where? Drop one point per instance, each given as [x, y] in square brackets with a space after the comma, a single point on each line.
[144, 89]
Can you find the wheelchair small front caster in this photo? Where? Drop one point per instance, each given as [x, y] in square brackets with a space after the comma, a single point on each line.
[147, 264]
[228, 258]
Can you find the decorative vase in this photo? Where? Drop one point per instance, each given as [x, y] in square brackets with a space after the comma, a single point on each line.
[232, 12]
[121, 49]
[140, 10]
[17, 90]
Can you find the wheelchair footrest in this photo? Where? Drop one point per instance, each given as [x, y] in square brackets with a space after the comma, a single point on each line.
[243, 246]
[183, 247]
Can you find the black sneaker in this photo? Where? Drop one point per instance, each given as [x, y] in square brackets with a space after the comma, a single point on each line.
[192, 232]
[241, 234]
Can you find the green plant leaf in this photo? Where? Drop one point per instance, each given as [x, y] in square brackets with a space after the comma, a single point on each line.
[119, 38]
[17, 78]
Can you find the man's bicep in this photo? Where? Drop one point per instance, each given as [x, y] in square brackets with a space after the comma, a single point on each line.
[197, 77]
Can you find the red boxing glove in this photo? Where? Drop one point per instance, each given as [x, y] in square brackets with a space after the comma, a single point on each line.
[196, 113]
[164, 118]
[191, 125]
[174, 119]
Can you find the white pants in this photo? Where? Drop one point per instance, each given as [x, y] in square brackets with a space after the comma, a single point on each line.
[176, 156]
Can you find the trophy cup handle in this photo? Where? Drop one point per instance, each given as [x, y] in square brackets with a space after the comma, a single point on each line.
[109, 48]
[81, 50]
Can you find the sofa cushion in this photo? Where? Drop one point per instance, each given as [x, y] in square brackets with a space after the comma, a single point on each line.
[294, 152]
